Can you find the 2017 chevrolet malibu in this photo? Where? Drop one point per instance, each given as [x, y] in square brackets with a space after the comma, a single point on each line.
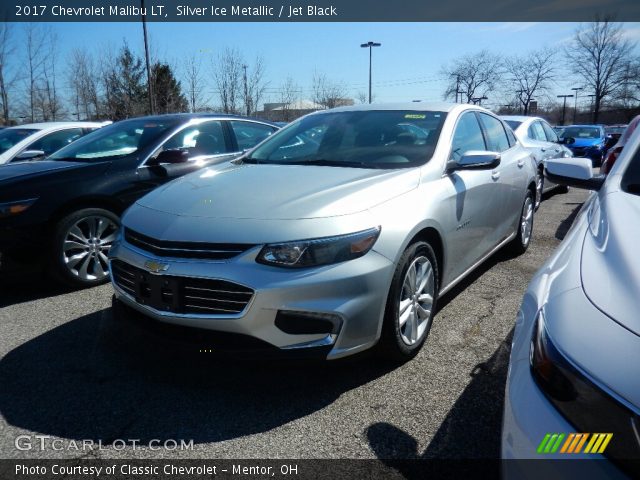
[573, 385]
[64, 211]
[336, 233]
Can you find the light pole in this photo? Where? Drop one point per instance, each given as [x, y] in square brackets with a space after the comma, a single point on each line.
[146, 55]
[575, 105]
[592, 96]
[370, 45]
[564, 106]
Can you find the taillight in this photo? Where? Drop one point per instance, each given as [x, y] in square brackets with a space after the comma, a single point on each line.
[611, 158]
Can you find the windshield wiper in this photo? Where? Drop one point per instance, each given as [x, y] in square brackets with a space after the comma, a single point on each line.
[323, 162]
[248, 160]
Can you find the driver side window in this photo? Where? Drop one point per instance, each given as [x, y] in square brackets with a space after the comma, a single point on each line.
[199, 140]
[467, 136]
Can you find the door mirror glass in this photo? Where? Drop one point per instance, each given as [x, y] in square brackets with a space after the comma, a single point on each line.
[170, 156]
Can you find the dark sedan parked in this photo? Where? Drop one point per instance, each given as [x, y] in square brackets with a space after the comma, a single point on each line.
[65, 210]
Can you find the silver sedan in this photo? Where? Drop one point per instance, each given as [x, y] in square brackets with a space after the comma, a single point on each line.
[337, 233]
[536, 135]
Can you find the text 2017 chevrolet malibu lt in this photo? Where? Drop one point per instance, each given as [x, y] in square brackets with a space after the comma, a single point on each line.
[337, 233]
[573, 389]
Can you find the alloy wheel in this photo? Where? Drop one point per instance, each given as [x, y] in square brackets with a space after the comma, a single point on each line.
[416, 300]
[86, 245]
[526, 221]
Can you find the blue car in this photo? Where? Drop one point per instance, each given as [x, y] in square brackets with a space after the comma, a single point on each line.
[589, 141]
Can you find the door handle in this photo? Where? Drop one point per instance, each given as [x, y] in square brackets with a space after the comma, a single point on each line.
[495, 175]
[521, 163]
[544, 149]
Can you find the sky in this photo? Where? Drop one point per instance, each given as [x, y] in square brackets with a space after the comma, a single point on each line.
[405, 67]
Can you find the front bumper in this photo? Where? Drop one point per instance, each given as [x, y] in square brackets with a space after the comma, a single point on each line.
[353, 291]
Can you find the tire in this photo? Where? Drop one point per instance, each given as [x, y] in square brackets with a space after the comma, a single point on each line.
[562, 189]
[520, 244]
[539, 188]
[401, 342]
[81, 241]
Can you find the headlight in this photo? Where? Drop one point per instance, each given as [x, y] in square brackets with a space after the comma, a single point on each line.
[13, 208]
[587, 406]
[319, 251]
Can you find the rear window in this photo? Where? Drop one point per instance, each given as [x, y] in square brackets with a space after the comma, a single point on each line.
[10, 137]
[513, 124]
[582, 132]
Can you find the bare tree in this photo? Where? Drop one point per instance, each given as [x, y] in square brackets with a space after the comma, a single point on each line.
[6, 51]
[194, 83]
[532, 75]
[597, 55]
[327, 93]
[35, 51]
[49, 102]
[254, 85]
[472, 76]
[227, 73]
[361, 97]
[288, 94]
[83, 81]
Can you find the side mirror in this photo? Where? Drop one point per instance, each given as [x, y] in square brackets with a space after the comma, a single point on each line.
[170, 156]
[567, 140]
[573, 172]
[29, 155]
[475, 160]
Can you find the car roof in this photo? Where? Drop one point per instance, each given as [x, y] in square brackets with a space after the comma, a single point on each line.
[417, 106]
[185, 117]
[52, 125]
[519, 118]
[586, 125]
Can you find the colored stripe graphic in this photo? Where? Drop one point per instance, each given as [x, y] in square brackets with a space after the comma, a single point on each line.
[552, 443]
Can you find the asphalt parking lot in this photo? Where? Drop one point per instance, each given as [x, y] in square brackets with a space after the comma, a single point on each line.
[66, 372]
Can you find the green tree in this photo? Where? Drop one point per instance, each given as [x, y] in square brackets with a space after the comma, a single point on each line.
[167, 91]
[126, 89]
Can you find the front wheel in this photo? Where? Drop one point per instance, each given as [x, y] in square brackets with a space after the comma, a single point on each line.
[81, 242]
[520, 244]
[411, 303]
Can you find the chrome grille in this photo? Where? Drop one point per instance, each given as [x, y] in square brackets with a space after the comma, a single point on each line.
[173, 249]
[183, 295]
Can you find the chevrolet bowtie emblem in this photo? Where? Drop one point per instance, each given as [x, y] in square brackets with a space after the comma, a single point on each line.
[156, 267]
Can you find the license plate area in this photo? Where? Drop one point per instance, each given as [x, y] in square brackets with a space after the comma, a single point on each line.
[158, 292]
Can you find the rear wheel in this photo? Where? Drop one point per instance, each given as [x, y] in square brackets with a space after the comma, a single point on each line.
[411, 303]
[81, 242]
[520, 244]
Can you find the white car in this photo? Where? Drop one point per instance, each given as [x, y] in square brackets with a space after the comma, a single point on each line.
[537, 136]
[35, 141]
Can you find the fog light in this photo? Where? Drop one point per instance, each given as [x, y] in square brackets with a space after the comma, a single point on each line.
[307, 323]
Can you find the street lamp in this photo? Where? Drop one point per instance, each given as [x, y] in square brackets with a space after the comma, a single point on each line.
[564, 106]
[575, 105]
[370, 45]
[146, 56]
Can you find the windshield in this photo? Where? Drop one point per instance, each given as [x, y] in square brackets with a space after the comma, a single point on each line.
[582, 132]
[362, 139]
[513, 124]
[617, 130]
[117, 140]
[10, 137]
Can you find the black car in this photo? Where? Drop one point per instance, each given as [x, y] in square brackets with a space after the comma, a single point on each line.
[65, 210]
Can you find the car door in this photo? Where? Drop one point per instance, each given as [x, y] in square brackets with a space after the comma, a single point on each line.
[509, 186]
[470, 200]
[204, 143]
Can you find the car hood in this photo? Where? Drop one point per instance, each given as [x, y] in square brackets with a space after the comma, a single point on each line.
[609, 265]
[22, 170]
[279, 192]
[587, 142]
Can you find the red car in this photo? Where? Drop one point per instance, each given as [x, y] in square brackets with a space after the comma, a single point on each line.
[614, 152]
